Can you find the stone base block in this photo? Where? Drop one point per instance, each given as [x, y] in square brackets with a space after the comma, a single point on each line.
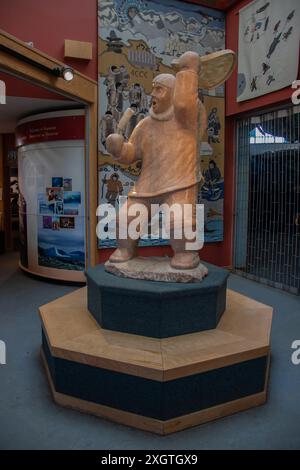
[155, 268]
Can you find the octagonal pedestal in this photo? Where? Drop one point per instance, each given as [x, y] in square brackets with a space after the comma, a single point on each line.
[159, 385]
[156, 309]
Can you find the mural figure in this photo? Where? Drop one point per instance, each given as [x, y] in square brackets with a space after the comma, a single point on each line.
[212, 176]
[114, 188]
[213, 127]
[138, 97]
[108, 125]
[114, 43]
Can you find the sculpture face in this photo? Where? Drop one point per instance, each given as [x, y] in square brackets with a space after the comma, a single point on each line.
[161, 98]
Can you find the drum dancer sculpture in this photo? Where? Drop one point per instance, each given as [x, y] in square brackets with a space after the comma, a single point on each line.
[167, 143]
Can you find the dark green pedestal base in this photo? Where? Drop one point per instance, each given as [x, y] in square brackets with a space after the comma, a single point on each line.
[156, 309]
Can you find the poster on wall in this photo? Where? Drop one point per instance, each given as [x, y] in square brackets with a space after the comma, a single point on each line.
[52, 203]
[60, 231]
[268, 47]
[137, 41]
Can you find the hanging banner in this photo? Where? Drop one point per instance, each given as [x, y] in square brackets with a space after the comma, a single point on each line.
[137, 41]
[51, 194]
[268, 47]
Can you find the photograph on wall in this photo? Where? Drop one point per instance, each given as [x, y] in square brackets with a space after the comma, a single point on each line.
[67, 222]
[268, 55]
[60, 237]
[137, 41]
[61, 248]
[57, 182]
[67, 184]
[44, 207]
[54, 195]
[55, 223]
[72, 200]
[47, 221]
[59, 208]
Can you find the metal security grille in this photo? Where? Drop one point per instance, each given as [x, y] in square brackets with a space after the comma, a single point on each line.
[267, 223]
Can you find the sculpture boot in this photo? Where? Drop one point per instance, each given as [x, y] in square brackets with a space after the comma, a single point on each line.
[185, 260]
[120, 255]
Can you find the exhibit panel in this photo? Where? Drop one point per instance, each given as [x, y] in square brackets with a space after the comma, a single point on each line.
[52, 203]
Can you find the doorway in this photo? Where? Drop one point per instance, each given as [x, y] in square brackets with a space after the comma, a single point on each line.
[30, 65]
[267, 218]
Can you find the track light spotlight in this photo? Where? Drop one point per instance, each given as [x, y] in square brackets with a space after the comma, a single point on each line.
[64, 72]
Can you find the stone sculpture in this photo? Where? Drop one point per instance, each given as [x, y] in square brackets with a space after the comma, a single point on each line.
[167, 142]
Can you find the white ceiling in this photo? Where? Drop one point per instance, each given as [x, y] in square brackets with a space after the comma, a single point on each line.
[17, 108]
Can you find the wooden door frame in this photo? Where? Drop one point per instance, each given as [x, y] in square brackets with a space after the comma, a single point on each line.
[81, 89]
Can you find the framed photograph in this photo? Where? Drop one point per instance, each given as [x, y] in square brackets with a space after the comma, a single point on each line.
[59, 208]
[45, 208]
[67, 222]
[54, 195]
[72, 198]
[55, 223]
[47, 221]
[57, 182]
[67, 184]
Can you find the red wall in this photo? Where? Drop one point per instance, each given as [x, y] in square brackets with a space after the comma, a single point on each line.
[47, 23]
[232, 106]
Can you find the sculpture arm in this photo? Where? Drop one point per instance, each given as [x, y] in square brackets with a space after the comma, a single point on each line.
[128, 153]
[186, 97]
[123, 152]
[186, 88]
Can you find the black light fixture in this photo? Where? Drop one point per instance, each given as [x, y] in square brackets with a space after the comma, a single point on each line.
[64, 71]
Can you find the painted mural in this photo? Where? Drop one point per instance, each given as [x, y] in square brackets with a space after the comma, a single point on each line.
[138, 40]
[268, 47]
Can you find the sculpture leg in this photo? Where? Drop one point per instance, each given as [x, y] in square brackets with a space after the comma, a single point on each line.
[183, 259]
[127, 247]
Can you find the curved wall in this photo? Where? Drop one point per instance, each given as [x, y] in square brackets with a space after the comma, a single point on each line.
[52, 205]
